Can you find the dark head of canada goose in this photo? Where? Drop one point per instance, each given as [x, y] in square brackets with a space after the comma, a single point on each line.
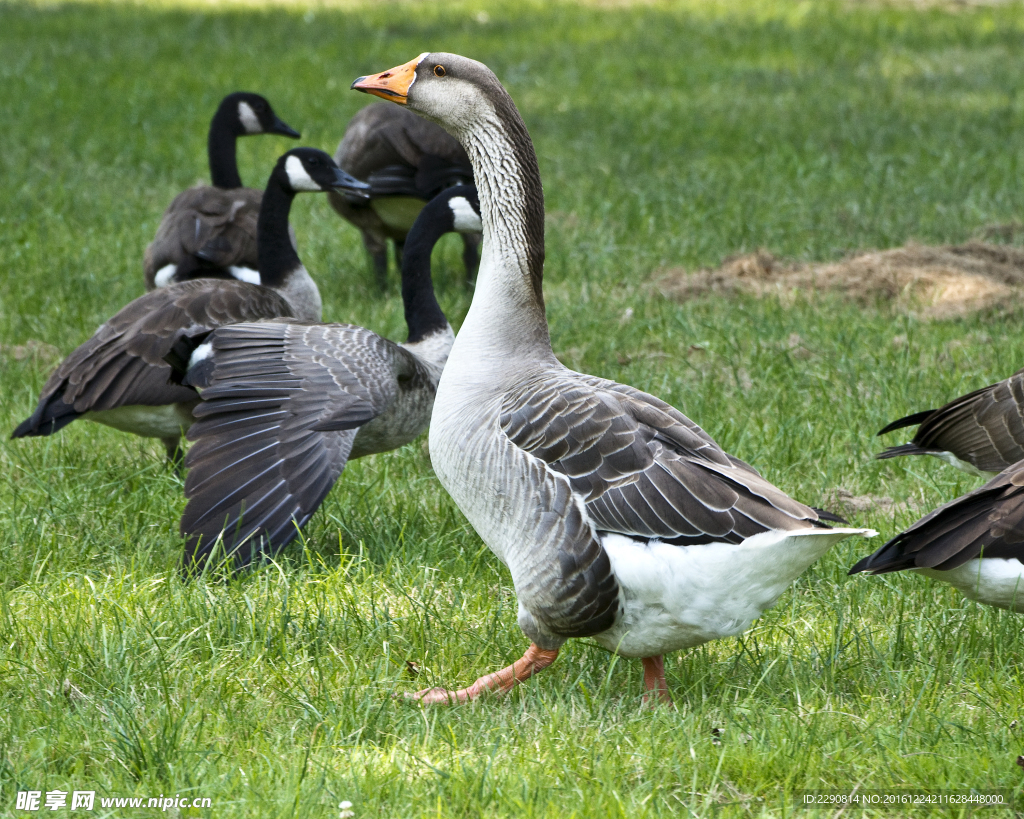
[287, 405]
[618, 517]
[210, 231]
[981, 433]
[975, 543]
[119, 377]
[239, 114]
[407, 161]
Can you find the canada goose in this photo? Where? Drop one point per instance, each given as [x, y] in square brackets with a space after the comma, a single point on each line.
[407, 161]
[209, 231]
[286, 405]
[981, 433]
[619, 518]
[975, 543]
[118, 377]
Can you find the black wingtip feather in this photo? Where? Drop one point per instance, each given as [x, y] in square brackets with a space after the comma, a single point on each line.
[48, 418]
[907, 421]
[899, 451]
[861, 565]
[831, 517]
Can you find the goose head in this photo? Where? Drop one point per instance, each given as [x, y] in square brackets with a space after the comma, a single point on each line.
[249, 114]
[452, 90]
[465, 98]
[310, 169]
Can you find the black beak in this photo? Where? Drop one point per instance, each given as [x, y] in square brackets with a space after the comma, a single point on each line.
[280, 127]
[350, 186]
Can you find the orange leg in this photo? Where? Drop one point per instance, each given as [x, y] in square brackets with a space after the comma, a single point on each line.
[500, 682]
[654, 681]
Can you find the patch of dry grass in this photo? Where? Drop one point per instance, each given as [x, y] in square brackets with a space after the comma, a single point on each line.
[930, 282]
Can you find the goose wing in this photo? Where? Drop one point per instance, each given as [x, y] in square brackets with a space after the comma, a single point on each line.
[642, 467]
[282, 404]
[987, 522]
[206, 225]
[122, 364]
[381, 135]
[984, 428]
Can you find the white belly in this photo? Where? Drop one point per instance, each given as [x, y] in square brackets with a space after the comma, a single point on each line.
[676, 597]
[167, 421]
[963, 466]
[994, 581]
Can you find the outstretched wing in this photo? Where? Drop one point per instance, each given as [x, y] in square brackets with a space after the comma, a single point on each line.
[642, 467]
[987, 522]
[281, 407]
[122, 364]
[984, 428]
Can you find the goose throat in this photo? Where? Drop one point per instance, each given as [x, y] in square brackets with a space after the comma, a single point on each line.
[511, 204]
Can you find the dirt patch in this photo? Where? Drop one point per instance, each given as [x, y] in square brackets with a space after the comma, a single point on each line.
[37, 351]
[843, 502]
[935, 282]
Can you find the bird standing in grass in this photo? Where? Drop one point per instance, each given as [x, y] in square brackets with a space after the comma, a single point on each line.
[287, 405]
[119, 377]
[406, 161]
[209, 231]
[618, 517]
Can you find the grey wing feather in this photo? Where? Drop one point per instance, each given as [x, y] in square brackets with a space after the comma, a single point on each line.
[206, 225]
[122, 364]
[643, 468]
[269, 442]
[984, 428]
[383, 134]
[987, 522]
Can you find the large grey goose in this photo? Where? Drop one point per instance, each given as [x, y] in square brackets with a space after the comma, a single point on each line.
[287, 405]
[209, 231]
[981, 433]
[119, 378]
[975, 543]
[619, 518]
[406, 161]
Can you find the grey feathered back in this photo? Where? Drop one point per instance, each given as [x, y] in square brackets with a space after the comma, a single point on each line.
[988, 522]
[984, 428]
[222, 223]
[122, 364]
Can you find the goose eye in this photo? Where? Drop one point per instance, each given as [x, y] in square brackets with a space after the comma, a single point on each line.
[439, 71]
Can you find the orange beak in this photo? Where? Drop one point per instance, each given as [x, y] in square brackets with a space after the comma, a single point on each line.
[392, 84]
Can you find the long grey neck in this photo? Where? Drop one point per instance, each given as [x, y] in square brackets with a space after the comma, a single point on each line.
[507, 315]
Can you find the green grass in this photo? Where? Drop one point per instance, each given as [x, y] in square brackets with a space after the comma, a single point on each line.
[667, 135]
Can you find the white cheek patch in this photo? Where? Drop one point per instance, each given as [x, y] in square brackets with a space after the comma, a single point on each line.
[299, 179]
[467, 220]
[201, 353]
[248, 118]
[245, 274]
[164, 275]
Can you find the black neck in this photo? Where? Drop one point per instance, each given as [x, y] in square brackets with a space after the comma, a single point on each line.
[220, 148]
[277, 256]
[423, 314]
